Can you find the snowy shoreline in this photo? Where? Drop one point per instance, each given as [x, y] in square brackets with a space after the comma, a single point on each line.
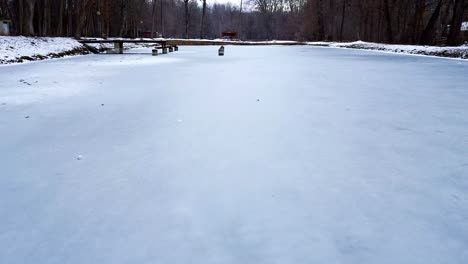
[20, 49]
[460, 52]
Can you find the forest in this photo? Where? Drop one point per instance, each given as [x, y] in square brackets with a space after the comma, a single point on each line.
[424, 22]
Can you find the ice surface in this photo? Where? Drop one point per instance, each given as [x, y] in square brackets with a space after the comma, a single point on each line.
[266, 155]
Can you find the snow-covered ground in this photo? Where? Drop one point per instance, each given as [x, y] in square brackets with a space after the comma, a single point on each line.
[17, 49]
[266, 155]
[452, 52]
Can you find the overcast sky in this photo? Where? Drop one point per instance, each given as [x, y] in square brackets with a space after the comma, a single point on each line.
[234, 2]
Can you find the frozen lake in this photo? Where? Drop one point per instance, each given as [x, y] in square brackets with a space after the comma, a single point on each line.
[267, 155]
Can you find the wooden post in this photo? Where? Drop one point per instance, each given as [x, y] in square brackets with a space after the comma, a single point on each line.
[119, 47]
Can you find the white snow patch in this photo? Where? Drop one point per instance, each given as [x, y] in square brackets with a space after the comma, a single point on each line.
[455, 52]
[15, 47]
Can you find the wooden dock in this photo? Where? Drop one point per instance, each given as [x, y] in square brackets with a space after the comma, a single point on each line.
[118, 43]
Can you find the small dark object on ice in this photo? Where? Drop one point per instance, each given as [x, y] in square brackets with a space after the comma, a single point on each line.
[102, 104]
[26, 117]
[258, 100]
[23, 81]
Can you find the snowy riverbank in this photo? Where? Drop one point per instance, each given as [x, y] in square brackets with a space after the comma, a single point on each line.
[451, 52]
[20, 49]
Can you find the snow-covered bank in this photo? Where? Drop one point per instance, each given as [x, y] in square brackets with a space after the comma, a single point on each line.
[20, 49]
[451, 52]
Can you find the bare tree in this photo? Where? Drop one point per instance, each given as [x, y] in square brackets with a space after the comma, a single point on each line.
[393, 21]
[29, 15]
[153, 14]
[388, 20]
[428, 33]
[186, 18]
[202, 26]
[343, 17]
[459, 8]
[268, 8]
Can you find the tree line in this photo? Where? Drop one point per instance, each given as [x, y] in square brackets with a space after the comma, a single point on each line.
[425, 22]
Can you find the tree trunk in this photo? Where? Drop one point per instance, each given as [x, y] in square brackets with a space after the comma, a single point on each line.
[240, 20]
[59, 31]
[162, 18]
[202, 26]
[418, 19]
[343, 16]
[98, 19]
[70, 18]
[320, 25]
[46, 18]
[459, 8]
[83, 15]
[186, 18]
[123, 25]
[29, 15]
[388, 20]
[428, 33]
[153, 12]
[20, 25]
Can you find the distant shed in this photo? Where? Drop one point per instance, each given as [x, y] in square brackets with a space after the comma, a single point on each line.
[229, 34]
[5, 27]
[464, 31]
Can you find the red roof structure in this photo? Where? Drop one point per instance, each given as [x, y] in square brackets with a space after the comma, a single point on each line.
[229, 34]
